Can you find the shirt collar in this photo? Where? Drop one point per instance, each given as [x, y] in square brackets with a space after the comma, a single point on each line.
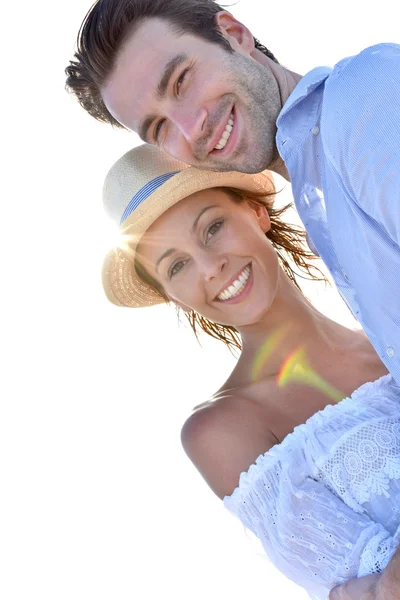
[306, 85]
[293, 124]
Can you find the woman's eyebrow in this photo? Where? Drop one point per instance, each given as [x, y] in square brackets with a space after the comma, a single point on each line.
[172, 250]
[165, 255]
[200, 214]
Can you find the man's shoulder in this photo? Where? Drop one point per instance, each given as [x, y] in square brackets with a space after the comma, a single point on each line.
[353, 93]
[365, 69]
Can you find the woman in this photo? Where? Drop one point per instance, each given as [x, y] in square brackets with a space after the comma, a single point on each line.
[311, 466]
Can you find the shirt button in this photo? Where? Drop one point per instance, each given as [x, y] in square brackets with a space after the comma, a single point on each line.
[346, 276]
[315, 130]
[390, 351]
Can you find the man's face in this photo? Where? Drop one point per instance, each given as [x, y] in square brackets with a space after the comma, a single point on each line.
[196, 101]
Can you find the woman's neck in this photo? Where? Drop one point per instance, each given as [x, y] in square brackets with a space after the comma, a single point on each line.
[292, 324]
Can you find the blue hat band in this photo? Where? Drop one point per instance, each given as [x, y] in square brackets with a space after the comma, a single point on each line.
[144, 193]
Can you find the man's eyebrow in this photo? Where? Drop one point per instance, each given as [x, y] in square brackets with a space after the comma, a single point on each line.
[200, 214]
[169, 69]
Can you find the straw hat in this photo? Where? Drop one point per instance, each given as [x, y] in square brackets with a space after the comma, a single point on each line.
[139, 188]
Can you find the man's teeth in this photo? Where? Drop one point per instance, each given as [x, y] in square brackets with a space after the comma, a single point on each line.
[226, 134]
[237, 286]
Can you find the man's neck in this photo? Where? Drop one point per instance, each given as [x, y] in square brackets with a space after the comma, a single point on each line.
[287, 81]
[278, 166]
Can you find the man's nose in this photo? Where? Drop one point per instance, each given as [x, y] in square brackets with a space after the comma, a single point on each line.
[190, 121]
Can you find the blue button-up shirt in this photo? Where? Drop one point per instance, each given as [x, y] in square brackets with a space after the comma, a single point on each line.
[339, 135]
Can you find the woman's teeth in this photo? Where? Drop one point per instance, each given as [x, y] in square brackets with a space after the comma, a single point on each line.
[237, 286]
[226, 134]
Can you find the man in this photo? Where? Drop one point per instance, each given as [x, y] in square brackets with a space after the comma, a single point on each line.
[187, 76]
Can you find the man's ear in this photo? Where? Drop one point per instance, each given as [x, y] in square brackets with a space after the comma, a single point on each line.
[262, 215]
[239, 37]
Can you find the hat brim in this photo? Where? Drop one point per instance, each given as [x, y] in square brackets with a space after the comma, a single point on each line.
[121, 283]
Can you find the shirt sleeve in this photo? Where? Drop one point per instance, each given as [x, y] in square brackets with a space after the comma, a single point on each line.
[309, 534]
[361, 132]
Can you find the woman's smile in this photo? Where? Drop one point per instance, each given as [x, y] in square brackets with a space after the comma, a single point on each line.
[238, 287]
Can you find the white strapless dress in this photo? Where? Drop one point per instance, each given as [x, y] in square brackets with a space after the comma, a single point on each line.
[325, 503]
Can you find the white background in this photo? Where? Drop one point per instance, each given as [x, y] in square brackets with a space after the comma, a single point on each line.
[98, 500]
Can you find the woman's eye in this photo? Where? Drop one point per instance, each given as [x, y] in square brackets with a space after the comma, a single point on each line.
[157, 130]
[181, 80]
[213, 229]
[175, 268]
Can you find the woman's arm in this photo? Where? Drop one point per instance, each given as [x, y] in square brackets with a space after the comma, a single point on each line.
[363, 588]
[222, 440]
[380, 586]
[388, 584]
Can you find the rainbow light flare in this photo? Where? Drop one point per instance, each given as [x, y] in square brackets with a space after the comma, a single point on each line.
[296, 368]
[266, 350]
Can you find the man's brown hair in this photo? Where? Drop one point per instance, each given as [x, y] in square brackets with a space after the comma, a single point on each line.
[107, 26]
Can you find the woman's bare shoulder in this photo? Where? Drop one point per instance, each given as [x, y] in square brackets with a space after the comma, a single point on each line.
[223, 437]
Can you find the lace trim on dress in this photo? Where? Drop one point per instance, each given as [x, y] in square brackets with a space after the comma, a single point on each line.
[376, 555]
[364, 463]
[301, 434]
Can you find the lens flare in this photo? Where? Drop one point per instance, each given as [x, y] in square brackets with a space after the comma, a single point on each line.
[296, 369]
[267, 349]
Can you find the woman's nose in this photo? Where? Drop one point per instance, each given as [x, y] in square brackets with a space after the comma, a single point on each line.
[213, 267]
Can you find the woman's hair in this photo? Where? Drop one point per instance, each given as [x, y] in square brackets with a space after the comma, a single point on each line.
[289, 242]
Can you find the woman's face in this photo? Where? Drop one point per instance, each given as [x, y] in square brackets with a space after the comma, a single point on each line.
[210, 254]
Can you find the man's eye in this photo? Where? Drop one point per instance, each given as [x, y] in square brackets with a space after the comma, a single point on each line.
[176, 268]
[181, 80]
[213, 229]
[157, 130]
